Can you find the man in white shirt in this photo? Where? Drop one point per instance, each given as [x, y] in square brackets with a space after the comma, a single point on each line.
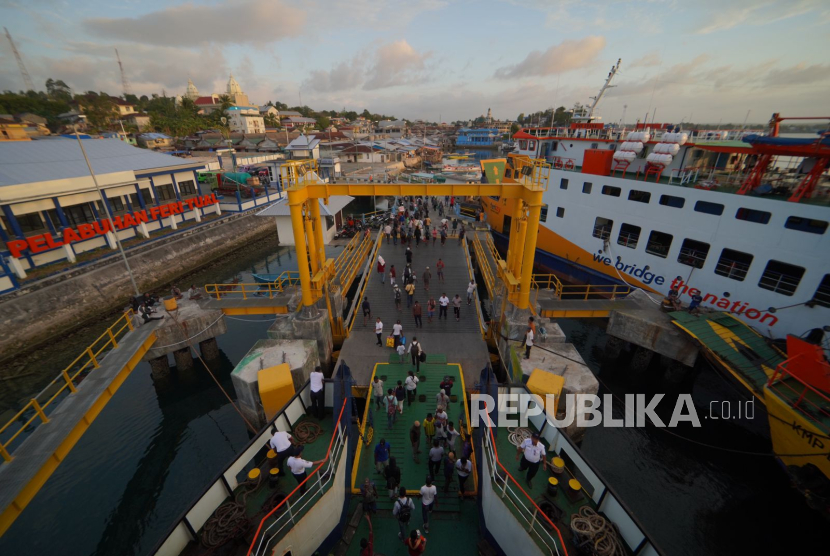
[532, 453]
[378, 392]
[387, 231]
[443, 303]
[397, 333]
[298, 465]
[429, 497]
[464, 467]
[379, 330]
[528, 342]
[471, 288]
[411, 385]
[318, 394]
[281, 444]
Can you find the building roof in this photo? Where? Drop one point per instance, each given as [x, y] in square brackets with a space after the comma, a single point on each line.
[336, 204]
[154, 136]
[204, 101]
[290, 113]
[37, 161]
[298, 120]
[303, 143]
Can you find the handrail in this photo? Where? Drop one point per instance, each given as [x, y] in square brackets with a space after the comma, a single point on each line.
[352, 316]
[481, 326]
[91, 360]
[299, 486]
[341, 259]
[538, 510]
[562, 291]
[778, 378]
[255, 289]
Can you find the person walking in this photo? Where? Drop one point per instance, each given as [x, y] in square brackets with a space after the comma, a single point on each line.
[440, 268]
[282, 445]
[443, 236]
[411, 385]
[532, 454]
[429, 498]
[417, 236]
[318, 394]
[471, 289]
[407, 275]
[415, 350]
[427, 278]
[400, 396]
[391, 408]
[402, 510]
[387, 231]
[367, 311]
[377, 391]
[434, 236]
[416, 312]
[382, 269]
[452, 435]
[464, 467]
[430, 309]
[415, 440]
[397, 297]
[447, 384]
[456, 307]
[392, 474]
[392, 275]
[410, 294]
[401, 349]
[379, 330]
[443, 303]
[408, 254]
[436, 455]
[449, 470]
[461, 235]
[429, 428]
[454, 224]
[382, 452]
[298, 465]
[397, 333]
[528, 342]
[369, 495]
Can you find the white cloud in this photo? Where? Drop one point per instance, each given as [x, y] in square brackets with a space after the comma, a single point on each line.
[646, 61]
[721, 16]
[343, 76]
[563, 57]
[248, 21]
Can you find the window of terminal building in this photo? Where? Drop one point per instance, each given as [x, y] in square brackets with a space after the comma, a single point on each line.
[29, 223]
[146, 196]
[693, 253]
[611, 190]
[116, 204]
[808, 225]
[602, 227]
[165, 192]
[822, 295]
[752, 215]
[187, 188]
[659, 244]
[733, 264]
[587, 186]
[563, 183]
[79, 214]
[639, 196]
[629, 236]
[781, 277]
[709, 208]
[672, 201]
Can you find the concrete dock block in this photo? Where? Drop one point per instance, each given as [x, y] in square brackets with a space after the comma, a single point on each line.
[302, 326]
[186, 326]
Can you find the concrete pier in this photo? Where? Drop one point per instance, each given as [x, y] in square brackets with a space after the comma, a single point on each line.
[300, 355]
[309, 324]
[188, 325]
[160, 366]
[184, 359]
[209, 349]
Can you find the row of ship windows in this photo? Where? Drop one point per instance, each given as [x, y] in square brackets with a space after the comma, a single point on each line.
[750, 215]
[778, 276]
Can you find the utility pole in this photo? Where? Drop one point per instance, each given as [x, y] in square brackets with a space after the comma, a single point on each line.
[27, 79]
[125, 86]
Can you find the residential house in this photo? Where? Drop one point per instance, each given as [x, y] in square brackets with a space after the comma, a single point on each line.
[11, 130]
[331, 214]
[297, 121]
[29, 118]
[392, 128]
[245, 119]
[304, 146]
[269, 110]
[155, 141]
[139, 120]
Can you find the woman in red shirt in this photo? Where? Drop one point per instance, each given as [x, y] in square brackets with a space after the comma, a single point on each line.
[415, 544]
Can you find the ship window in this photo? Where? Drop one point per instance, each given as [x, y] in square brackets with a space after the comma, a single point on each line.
[751, 215]
[709, 208]
[822, 295]
[629, 236]
[523, 145]
[611, 190]
[560, 212]
[602, 227]
[639, 196]
[563, 183]
[693, 253]
[781, 277]
[531, 145]
[586, 187]
[672, 201]
[543, 214]
[806, 225]
[594, 145]
[733, 264]
[659, 244]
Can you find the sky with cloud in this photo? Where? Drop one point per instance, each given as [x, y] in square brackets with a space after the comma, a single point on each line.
[705, 60]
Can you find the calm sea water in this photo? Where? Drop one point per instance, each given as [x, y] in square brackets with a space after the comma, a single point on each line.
[153, 450]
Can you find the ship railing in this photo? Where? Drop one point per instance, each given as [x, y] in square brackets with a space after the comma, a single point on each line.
[779, 282]
[296, 504]
[602, 231]
[808, 400]
[37, 410]
[575, 291]
[255, 290]
[628, 239]
[691, 257]
[731, 269]
[595, 489]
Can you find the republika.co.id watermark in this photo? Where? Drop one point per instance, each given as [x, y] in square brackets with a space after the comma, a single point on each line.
[590, 410]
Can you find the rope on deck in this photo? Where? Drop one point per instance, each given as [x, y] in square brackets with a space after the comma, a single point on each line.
[596, 533]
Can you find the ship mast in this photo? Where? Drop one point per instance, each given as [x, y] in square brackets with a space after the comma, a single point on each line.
[588, 115]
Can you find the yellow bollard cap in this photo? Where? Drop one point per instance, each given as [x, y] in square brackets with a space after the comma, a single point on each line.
[253, 473]
[558, 462]
[271, 454]
[274, 471]
[574, 484]
[554, 481]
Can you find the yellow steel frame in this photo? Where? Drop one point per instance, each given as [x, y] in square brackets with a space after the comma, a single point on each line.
[255, 289]
[89, 361]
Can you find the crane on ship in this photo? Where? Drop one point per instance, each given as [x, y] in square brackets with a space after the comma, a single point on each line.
[585, 114]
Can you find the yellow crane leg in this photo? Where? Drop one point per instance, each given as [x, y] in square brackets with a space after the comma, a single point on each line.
[309, 235]
[296, 206]
[318, 231]
[529, 253]
[521, 234]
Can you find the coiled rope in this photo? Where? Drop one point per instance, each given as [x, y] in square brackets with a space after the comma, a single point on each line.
[307, 432]
[597, 533]
[230, 519]
[517, 435]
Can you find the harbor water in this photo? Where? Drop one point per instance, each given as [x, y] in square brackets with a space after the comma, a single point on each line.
[157, 445]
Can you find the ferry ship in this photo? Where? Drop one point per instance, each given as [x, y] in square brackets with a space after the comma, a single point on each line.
[739, 218]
